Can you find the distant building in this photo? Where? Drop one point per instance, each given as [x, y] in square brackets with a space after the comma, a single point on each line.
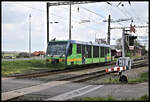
[38, 53]
[138, 51]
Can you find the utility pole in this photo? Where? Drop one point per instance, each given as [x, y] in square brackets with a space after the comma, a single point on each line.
[63, 3]
[123, 43]
[95, 37]
[47, 23]
[70, 22]
[108, 34]
[30, 35]
[112, 21]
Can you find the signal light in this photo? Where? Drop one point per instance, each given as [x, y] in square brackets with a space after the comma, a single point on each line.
[131, 40]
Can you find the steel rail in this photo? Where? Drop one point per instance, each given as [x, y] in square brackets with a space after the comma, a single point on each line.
[92, 75]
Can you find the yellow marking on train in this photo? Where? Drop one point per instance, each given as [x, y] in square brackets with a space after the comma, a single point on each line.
[69, 60]
[49, 60]
[77, 59]
[108, 57]
[61, 60]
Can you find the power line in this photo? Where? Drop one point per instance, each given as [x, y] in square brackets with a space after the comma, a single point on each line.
[136, 14]
[92, 12]
[61, 16]
[83, 16]
[129, 14]
[125, 12]
[75, 21]
[112, 6]
[119, 10]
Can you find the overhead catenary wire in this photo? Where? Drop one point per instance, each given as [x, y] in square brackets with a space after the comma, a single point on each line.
[64, 17]
[126, 13]
[75, 21]
[92, 12]
[83, 17]
[132, 9]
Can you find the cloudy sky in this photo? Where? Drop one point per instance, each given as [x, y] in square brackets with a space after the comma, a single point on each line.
[15, 22]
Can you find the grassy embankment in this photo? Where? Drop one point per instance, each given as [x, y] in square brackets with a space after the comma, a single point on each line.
[142, 98]
[24, 66]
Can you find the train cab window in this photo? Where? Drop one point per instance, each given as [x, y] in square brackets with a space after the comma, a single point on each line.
[70, 50]
[95, 51]
[78, 48]
[102, 52]
[88, 49]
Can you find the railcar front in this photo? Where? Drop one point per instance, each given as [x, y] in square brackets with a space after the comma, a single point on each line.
[56, 52]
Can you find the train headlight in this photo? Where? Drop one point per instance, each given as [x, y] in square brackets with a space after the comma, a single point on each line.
[48, 55]
[62, 56]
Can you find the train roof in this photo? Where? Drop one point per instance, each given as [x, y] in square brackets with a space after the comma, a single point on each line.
[89, 43]
[82, 42]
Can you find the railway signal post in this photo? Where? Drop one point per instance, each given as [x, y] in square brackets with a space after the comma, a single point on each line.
[123, 63]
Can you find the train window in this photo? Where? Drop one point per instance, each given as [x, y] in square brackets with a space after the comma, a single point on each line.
[102, 52]
[106, 50]
[78, 48]
[56, 48]
[83, 50]
[88, 51]
[95, 51]
[70, 50]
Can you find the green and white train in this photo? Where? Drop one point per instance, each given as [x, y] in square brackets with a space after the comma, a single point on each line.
[71, 52]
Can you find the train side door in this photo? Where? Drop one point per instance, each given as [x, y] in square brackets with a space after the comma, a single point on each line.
[83, 54]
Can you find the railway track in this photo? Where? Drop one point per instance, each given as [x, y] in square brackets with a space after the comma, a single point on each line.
[79, 68]
[92, 75]
[51, 72]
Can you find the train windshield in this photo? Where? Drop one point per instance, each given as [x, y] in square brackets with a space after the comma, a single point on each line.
[56, 48]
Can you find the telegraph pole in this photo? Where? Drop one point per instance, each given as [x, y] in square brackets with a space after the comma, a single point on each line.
[30, 35]
[70, 22]
[108, 34]
[47, 23]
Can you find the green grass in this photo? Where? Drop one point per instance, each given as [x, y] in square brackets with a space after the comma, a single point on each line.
[112, 80]
[98, 99]
[142, 78]
[24, 66]
[142, 98]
